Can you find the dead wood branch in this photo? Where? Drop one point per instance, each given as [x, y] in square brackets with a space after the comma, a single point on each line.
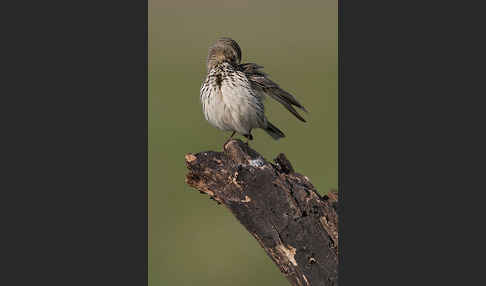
[281, 208]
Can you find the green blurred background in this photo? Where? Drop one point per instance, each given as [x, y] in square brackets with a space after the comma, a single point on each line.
[192, 241]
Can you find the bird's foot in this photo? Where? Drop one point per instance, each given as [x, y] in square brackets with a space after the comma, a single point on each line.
[229, 138]
[249, 137]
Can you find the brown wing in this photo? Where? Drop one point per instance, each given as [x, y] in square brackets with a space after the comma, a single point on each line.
[270, 88]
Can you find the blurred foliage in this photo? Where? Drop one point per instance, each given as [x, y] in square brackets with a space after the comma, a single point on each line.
[192, 241]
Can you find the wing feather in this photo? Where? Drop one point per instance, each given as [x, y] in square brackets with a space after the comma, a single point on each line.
[270, 88]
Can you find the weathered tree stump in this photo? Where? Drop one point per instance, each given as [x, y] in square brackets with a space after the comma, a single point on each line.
[280, 208]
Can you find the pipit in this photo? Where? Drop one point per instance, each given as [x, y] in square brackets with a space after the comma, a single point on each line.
[232, 93]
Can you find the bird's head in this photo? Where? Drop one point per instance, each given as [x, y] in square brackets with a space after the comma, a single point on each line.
[223, 50]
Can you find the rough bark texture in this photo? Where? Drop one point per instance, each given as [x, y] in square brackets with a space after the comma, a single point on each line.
[280, 208]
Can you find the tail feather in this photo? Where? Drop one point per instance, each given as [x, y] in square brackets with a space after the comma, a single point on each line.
[273, 131]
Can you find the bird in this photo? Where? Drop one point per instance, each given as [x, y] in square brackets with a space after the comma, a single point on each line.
[232, 93]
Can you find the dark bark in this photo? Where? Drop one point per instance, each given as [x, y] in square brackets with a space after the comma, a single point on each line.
[280, 208]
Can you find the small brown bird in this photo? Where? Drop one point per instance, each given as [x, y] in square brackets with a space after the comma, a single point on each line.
[232, 93]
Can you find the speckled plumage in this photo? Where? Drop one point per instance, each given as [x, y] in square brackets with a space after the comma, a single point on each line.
[232, 93]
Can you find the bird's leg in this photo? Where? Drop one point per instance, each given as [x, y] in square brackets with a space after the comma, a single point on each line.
[232, 134]
[248, 137]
